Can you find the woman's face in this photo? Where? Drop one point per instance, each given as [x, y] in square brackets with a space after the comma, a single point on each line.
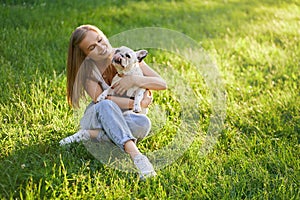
[96, 46]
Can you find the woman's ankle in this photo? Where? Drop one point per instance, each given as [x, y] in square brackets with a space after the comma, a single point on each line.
[131, 148]
[93, 133]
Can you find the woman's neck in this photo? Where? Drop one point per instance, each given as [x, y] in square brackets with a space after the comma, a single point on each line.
[103, 64]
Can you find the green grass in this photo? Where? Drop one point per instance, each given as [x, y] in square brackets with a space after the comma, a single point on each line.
[256, 45]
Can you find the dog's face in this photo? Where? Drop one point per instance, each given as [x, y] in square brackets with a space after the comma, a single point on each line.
[125, 57]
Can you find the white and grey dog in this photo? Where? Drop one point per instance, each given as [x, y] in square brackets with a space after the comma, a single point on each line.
[126, 61]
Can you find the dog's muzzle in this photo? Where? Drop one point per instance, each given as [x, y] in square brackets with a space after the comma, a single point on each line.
[118, 59]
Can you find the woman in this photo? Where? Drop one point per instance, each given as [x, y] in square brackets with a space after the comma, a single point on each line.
[89, 70]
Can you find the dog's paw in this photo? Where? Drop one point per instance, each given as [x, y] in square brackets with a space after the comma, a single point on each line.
[102, 96]
[137, 109]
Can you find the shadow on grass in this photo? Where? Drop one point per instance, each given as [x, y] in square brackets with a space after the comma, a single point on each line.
[47, 166]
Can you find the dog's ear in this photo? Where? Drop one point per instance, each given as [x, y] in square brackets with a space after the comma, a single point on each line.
[141, 54]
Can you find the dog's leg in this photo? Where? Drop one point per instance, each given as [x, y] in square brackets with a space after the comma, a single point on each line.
[103, 95]
[139, 94]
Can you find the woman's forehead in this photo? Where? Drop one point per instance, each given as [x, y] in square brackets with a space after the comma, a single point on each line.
[90, 38]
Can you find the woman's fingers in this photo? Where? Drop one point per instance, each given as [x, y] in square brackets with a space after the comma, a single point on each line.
[115, 85]
[118, 89]
[123, 85]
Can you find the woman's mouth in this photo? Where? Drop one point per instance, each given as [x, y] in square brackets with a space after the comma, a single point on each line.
[103, 52]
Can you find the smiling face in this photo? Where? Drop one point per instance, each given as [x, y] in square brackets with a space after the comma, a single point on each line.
[95, 46]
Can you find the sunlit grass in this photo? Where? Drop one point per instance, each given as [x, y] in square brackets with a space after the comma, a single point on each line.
[256, 47]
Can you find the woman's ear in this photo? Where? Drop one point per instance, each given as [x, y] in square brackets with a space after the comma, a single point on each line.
[141, 54]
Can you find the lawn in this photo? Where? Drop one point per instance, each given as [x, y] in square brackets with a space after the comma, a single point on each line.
[254, 48]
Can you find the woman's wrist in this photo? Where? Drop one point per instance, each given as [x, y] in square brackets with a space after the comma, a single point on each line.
[136, 80]
[122, 102]
[147, 100]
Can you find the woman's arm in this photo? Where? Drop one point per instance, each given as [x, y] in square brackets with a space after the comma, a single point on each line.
[127, 103]
[93, 89]
[151, 80]
[122, 102]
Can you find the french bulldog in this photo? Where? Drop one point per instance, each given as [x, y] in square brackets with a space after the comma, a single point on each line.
[126, 61]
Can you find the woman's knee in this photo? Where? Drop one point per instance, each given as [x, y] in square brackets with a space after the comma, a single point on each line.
[145, 122]
[139, 125]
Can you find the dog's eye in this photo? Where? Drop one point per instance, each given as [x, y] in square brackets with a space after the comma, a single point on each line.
[127, 55]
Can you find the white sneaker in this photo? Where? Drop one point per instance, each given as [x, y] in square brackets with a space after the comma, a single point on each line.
[81, 135]
[144, 166]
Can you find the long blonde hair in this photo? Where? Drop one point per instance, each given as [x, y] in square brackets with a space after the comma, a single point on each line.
[75, 58]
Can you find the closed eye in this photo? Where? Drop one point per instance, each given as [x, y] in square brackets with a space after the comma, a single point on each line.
[92, 47]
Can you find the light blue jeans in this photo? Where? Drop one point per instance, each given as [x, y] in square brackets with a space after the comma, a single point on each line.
[118, 126]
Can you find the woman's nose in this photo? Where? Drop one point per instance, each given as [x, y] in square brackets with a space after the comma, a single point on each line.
[100, 45]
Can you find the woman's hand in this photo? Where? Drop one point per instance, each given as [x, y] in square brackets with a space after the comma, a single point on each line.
[124, 84]
[147, 100]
